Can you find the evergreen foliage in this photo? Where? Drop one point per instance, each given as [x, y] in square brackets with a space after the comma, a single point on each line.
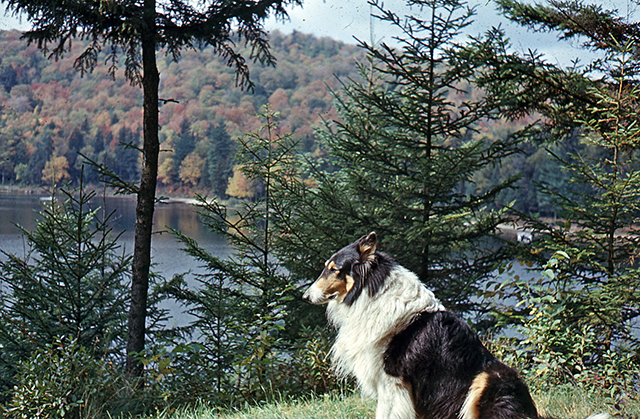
[403, 159]
[73, 284]
[579, 314]
[243, 304]
[137, 29]
[63, 380]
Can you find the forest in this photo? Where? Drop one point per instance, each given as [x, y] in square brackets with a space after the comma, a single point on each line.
[437, 143]
[54, 119]
[52, 115]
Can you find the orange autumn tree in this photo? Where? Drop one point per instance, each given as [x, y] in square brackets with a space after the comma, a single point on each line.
[55, 170]
[191, 168]
[239, 186]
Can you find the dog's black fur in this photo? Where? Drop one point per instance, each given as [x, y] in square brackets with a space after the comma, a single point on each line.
[439, 356]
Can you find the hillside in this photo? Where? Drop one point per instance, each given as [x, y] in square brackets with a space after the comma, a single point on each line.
[50, 113]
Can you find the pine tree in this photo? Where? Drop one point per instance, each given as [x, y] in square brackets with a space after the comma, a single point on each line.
[242, 302]
[579, 312]
[183, 144]
[219, 160]
[137, 29]
[406, 151]
[72, 284]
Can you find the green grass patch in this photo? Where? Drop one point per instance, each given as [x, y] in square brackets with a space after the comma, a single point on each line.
[567, 402]
[564, 402]
[350, 406]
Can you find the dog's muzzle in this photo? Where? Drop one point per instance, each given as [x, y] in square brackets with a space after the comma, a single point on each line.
[315, 295]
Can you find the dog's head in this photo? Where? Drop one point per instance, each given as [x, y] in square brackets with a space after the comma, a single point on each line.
[346, 273]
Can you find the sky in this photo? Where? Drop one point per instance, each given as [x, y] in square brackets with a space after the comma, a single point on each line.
[345, 20]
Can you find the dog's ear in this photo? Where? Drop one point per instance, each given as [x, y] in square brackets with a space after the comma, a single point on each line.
[367, 246]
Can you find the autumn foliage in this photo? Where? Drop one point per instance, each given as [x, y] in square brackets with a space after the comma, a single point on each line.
[50, 114]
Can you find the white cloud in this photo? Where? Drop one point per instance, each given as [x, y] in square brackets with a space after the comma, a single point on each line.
[340, 20]
[345, 19]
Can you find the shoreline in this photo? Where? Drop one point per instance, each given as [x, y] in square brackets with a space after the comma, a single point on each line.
[43, 192]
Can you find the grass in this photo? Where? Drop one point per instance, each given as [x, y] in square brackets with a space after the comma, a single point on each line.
[570, 403]
[349, 406]
[562, 402]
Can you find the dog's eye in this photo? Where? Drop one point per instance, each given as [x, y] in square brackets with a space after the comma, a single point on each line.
[335, 270]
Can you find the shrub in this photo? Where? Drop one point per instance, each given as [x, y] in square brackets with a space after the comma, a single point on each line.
[62, 380]
[73, 282]
[561, 338]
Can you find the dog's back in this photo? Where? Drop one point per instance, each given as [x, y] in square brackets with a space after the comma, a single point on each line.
[452, 374]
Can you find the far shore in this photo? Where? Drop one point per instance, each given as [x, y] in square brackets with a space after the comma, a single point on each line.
[41, 191]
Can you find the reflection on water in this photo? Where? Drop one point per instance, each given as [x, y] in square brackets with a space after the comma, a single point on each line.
[168, 260]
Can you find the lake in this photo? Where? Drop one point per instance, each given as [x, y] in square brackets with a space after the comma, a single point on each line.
[168, 259]
[22, 209]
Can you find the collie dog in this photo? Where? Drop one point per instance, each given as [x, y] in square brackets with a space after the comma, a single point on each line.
[405, 350]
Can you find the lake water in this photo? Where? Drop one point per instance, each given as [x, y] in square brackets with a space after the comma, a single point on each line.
[17, 209]
[167, 256]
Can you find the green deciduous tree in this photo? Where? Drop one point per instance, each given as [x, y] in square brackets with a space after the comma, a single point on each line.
[137, 29]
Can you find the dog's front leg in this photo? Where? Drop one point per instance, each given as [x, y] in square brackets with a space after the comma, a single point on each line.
[394, 399]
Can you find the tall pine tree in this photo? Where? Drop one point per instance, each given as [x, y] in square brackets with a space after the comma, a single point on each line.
[581, 310]
[242, 302]
[72, 284]
[137, 29]
[403, 156]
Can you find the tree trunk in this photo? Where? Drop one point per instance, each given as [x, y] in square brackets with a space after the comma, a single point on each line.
[146, 195]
